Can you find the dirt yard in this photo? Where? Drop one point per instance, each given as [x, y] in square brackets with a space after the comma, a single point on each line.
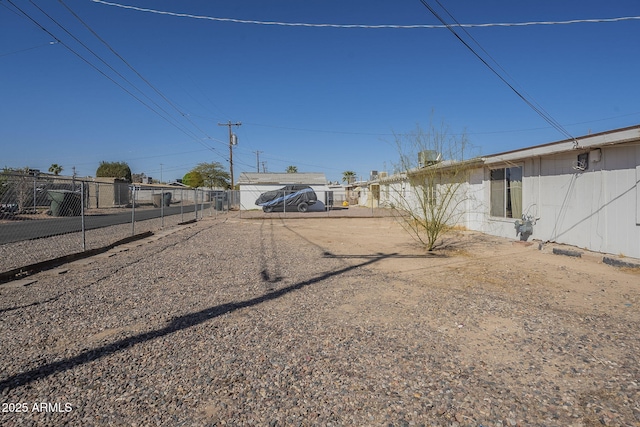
[527, 271]
[529, 315]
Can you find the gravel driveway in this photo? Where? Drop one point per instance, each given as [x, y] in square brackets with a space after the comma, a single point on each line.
[241, 321]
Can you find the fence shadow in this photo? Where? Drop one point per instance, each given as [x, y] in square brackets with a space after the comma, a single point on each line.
[177, 324]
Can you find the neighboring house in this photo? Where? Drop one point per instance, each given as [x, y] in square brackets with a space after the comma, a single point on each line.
[362, 193]
[584, 193]
[253, 184]
[339, 193]
[108, 193]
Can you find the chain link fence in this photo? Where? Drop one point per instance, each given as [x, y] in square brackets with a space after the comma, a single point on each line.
[43, 217]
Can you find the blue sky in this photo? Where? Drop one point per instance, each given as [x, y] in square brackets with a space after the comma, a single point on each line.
[321, 99]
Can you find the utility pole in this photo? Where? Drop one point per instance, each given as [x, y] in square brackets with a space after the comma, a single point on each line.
[258, 160]
[231, 144]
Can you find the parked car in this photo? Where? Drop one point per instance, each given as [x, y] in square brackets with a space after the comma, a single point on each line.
[289, 197]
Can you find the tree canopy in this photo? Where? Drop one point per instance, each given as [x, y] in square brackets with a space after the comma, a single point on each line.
[292, 169]
[213, 175]
[193, 179]
[119, 170]
[348, 176]
[436, 163]
[55, 169]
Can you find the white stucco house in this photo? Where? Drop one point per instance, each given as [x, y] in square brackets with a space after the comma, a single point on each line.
[253, 184]
[583, 192]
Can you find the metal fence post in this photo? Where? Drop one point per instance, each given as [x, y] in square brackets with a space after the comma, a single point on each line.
[84, 237]
[34, 193]
[181, 206]
[161, 207]
[133, 210]
[195, 202]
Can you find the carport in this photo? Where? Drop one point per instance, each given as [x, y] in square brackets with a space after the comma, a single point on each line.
[252, 185]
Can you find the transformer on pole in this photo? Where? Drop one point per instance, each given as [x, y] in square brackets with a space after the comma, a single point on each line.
[233, 140]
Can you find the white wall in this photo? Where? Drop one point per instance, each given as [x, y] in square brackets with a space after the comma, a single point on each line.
[476, 209]
[595, 209]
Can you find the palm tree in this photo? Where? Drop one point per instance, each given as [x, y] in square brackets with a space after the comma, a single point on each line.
[292, 169]
[348, 176]
[55, 169]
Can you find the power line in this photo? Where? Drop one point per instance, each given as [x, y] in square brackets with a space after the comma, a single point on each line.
[364, 26]
[258, 160]
[530, 102]
[321, 130]
[82, 58]
[94, 53]
[167, 116]
[284, 161]
[28, 48]
[155, 89]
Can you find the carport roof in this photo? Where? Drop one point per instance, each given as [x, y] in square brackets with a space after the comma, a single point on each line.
[282, 178]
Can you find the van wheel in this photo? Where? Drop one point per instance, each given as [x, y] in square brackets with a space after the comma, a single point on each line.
[267, 209]
[303, 207]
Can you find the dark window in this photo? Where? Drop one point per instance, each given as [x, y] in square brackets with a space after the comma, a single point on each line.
[506, 192]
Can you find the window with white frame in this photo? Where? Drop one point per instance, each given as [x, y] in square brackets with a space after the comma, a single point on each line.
[506, 192]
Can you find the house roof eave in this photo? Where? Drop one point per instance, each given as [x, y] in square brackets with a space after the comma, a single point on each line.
[603, 139]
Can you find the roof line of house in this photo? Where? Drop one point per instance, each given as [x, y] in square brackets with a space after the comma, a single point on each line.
[586, 141]
[580, 144]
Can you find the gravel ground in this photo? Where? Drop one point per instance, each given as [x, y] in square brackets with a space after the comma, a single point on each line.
[20, 254]
[234, 321]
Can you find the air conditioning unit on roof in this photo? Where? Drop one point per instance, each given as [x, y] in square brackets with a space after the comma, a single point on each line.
[428, 158]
